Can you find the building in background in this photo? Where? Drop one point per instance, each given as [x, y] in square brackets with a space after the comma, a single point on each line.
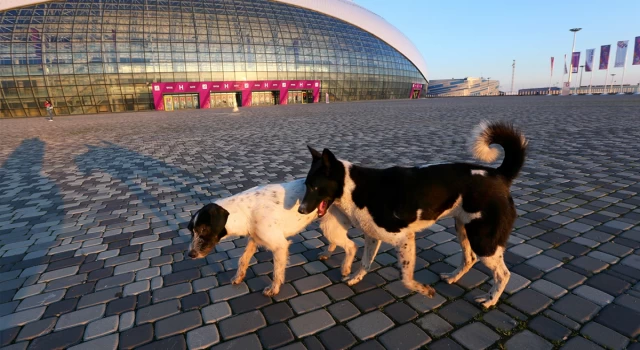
[463, 87]
[100, 56]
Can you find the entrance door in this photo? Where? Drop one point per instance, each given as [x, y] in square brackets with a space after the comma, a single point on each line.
[415, 94]
[129, 102]
[168, 103]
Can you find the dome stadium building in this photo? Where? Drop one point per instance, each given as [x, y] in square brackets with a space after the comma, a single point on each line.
[105, 56]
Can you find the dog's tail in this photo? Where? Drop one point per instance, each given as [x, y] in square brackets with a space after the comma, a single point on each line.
[506, 135]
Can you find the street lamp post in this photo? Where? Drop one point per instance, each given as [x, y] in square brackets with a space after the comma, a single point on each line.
[488, 84]
[581, 71]
[573, 47]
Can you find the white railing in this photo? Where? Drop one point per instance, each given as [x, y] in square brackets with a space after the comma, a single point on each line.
[583, 90]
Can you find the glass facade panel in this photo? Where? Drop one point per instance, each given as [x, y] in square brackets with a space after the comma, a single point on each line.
[99, 56]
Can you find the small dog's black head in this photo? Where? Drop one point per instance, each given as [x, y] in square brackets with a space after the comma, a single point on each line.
[324, 183]
[207, 228]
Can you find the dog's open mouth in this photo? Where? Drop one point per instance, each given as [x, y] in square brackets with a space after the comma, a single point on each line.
[323, 207]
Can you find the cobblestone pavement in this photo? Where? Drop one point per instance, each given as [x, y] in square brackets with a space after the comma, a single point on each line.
[93, 215]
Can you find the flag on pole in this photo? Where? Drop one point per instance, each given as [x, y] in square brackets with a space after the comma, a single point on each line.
[552, 66]
[565, 64]
[575, 62]
[588, 60]
[636, 52]
[604, 56]
[621, 53]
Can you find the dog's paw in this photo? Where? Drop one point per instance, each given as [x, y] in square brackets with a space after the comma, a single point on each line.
[426, 290]
[237, 279]
[345, 271]
[271, 290]
[324, 256]
[485, 300]
[351, 280]
[449, 277]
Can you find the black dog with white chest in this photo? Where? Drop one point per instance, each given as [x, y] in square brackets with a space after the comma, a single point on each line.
[392, 204]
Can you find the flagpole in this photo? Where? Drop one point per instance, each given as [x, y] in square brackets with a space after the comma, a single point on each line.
[590, 80]
[604, 92]
[624, 68]
[550, 77]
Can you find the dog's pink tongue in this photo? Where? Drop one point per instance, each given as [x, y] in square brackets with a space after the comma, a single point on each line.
[322, 208]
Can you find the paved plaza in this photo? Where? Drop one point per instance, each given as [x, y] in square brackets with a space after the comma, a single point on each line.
[94, 210]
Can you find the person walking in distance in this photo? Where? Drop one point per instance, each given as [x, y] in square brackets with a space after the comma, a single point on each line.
[49, 107]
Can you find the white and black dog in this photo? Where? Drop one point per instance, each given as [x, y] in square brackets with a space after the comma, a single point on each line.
[268, 215]
[392, 204]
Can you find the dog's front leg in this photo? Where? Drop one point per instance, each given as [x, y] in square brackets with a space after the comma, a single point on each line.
[280, 254]
[243, 262]
[407, 261]
[371, 246]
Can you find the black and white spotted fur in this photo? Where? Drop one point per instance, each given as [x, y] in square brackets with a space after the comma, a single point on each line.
[268, 215]
[392, 204]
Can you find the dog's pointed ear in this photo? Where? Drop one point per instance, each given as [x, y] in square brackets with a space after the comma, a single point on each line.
[328, 158]
[218, 216]
[315, 154]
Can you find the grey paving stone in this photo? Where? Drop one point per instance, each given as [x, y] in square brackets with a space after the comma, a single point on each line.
[475, 336]
[369, 325]
[80, 317]
[621, 319]
[311, 323]
[36, 329]
[59, 340]
[40, 300]
[563, 320]
[594, 295]
[241, 324]
[136, 336]
[136, 288]
[565, 278]
[343, 311]
[339, 291]
[114, 281]
[400, 312]
[549, 329]
[157, 311]
[21, 318]
[337, 337]
[309, 302]
[459, 312]
[544, 263]
[216, 312]
[131, 267]
[604, 336]
[435, 325]
[203, 337]
[527, 340]
[549, 289]
[204, 284]
[176, 291]
[579, 343]
[311, 283]
[101, 327]
[29, 291]
[50, 276]
[423, 304]
[589, 264]
[127, 320]
[499, 320]
[228, 292]
[178, 324]
[100, 297]
[576, 308]
[106, 343]
[407, 336]
[249, 342]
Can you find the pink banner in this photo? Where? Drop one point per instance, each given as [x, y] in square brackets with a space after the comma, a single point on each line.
[575, 62]
[588, 60]
[636, 52]
[204, 89]
[604, 56]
